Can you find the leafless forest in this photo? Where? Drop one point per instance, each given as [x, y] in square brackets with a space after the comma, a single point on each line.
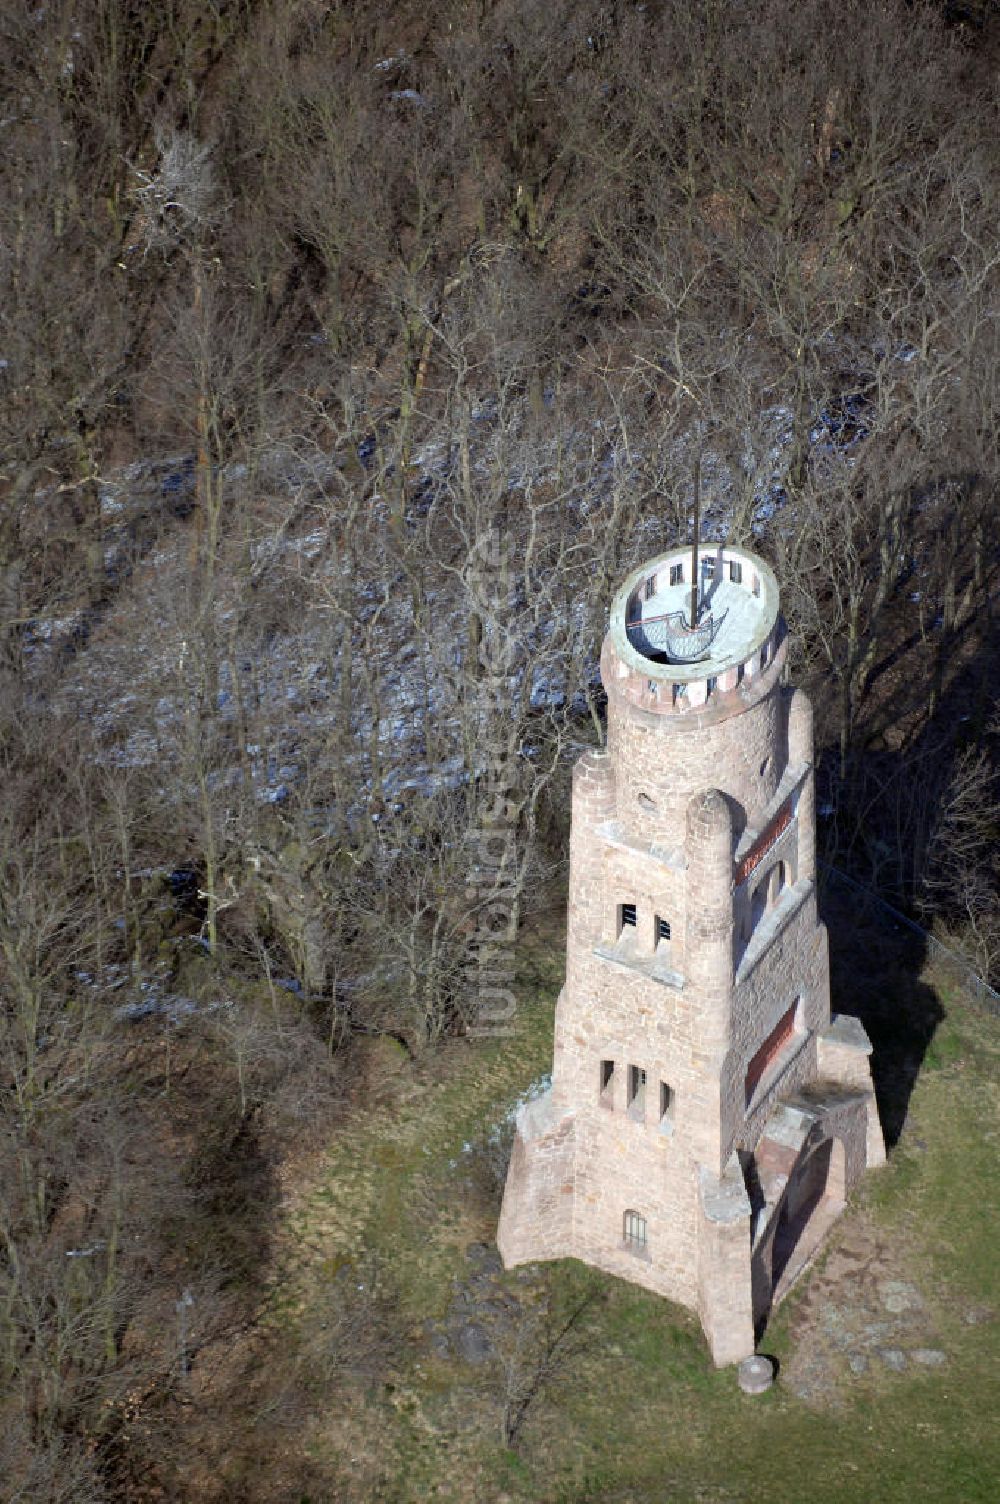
[350, 354]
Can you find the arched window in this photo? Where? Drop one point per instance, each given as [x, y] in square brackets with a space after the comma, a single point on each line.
[634, 1232]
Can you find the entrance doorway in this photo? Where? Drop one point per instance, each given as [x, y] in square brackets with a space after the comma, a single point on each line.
[814, 1199]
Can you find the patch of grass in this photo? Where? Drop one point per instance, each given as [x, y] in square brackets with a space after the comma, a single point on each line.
[637, 1412]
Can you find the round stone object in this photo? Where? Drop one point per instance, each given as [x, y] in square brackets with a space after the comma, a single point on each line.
[755, 1374]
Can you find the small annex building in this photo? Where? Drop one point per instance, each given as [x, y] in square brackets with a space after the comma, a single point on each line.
[707, 1117]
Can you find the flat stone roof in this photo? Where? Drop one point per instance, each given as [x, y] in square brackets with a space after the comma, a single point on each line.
[741, 618]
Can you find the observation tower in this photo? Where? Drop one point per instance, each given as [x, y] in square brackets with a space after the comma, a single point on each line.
[707, 1116]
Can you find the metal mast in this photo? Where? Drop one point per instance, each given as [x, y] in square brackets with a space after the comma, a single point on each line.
[694, 543]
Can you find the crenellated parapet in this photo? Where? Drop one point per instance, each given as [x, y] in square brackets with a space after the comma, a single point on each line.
[736, 649]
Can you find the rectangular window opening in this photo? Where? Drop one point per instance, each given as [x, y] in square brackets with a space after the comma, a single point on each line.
[677, 574]
[634, 1232]
[711, 685]
[607, 1083]
[650, 587]
[662, 929]
[666, 1103]
[708, 568]
[636, 1091]
[736, 572]
[627, 913]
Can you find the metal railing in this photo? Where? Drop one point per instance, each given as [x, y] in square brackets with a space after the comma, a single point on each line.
[769, 836]
[669, 634]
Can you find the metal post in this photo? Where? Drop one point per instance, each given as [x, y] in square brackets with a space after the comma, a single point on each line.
[694, 543]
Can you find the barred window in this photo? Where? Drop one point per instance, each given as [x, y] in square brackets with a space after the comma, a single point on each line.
[634, 1232]
[628, 915]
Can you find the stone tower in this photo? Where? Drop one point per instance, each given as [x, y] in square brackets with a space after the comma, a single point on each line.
[707, 1116]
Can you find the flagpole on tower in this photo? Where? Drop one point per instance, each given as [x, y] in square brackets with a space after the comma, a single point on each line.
[694, 543]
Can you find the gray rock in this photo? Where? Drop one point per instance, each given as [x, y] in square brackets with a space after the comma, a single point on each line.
[898, 1296]
[437, 1339]
[894, 1358]
[472, 1343]
[755, 1375]
[858, 1362]
[485, 1258]
[933, 1357]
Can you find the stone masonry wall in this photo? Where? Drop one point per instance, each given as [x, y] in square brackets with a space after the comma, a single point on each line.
[670, 758]
[536, 1220]
[794, 966]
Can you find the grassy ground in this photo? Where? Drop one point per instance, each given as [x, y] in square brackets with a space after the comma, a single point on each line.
[889, 1382]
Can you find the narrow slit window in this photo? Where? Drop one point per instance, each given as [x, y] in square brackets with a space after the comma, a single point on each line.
[736, 572]
[711, 685]
[666, 1103]
[637, 1091]
[634, 1232]
[650, 587]
[607, 1082]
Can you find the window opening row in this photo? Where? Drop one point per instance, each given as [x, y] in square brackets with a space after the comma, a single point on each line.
[733, 567]
[635, 1094]
[628, 919]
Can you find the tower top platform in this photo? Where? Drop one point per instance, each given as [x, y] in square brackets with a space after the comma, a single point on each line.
[738, 610]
